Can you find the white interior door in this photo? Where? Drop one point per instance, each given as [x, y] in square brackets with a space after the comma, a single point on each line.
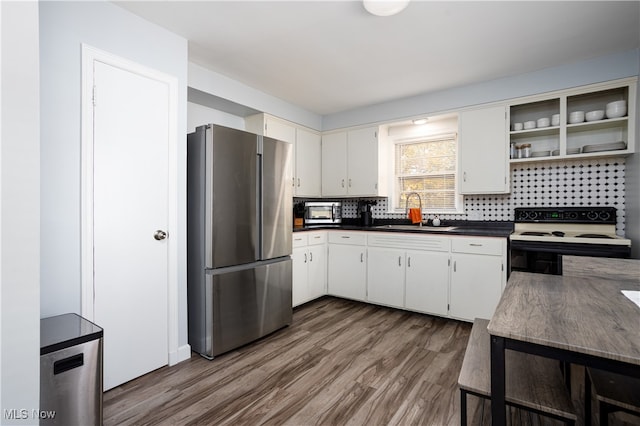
[130, 204]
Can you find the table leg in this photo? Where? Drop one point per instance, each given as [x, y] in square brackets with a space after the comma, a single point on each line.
[498, 406]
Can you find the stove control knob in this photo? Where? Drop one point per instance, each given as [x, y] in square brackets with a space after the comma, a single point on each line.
[572, 215]
[533, 215]
[605, 215]
[592, 215]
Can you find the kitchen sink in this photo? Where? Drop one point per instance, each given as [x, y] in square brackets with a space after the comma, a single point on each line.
[418, 228]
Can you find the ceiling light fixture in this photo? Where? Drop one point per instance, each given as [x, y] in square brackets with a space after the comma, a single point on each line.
[419, 121]
[385, 7]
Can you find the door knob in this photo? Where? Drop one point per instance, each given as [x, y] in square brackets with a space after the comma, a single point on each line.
[160, 235]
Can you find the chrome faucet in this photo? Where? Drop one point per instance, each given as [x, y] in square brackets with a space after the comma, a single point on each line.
[406, 206]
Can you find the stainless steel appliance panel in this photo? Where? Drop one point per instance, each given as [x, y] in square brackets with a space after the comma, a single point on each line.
[246, 304]
[231, 224]
[71, 385]
[277, 198]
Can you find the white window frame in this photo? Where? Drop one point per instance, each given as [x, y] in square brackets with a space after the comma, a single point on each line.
[459, 199]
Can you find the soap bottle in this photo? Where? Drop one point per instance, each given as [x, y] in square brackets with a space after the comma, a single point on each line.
[436, 221]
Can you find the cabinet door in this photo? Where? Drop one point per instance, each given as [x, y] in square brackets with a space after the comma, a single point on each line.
[334, 164]
[476, 286]
[308, 180]
[317, 272]
[484, 167]
[385, 283]
[280, 130]
[300, 291]
[347, 271]
[362, 155]
[427, 282]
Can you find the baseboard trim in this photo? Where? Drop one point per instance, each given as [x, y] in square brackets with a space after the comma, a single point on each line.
[182, 354]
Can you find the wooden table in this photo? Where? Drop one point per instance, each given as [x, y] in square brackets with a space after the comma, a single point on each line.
[581, 320]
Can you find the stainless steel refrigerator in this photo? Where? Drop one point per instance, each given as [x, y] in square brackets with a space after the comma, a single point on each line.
[239, 223]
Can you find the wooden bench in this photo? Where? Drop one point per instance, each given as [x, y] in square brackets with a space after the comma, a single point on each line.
[532, 383]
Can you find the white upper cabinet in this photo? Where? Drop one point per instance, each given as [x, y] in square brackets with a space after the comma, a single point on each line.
[351, 164]
[308, 180]
[305, 167]
[484, 164]
[334, 164]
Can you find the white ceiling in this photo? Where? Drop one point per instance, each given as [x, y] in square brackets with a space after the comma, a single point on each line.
[329, 57]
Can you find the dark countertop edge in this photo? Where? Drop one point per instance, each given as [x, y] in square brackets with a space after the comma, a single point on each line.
[500, 229]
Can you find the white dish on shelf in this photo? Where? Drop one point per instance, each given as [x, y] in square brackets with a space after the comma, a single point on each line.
[594, 115]
[617, 104]
[576, 117]
[616, 112]
[517, 126]
[613, 146]
[543, 122]
[528, 125]
[555, 120]
[573, 151]
[540, 153]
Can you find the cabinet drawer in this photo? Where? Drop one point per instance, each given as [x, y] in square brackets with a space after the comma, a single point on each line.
[475, 245]
[352, 238]
[300, 239]
[408, 241]
[316, 238]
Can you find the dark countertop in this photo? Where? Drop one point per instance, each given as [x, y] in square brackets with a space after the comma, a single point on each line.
[463, 227]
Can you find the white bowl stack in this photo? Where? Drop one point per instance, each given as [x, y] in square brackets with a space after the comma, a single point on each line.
[616, 109]
[543, 122]
[594, 115]
[576, 117]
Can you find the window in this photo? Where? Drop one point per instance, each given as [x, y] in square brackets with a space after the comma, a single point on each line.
[427, 166]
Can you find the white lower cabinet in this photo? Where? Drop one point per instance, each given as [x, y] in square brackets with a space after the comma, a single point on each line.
[385, 276]
[309, 266]
[347, 260]
[408, 271]
[478, 276]
[427, 282]
[454, 276]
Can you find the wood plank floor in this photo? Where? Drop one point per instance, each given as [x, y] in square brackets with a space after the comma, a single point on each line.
[340, 363]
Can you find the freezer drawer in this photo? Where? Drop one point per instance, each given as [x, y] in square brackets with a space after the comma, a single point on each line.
[246, 304]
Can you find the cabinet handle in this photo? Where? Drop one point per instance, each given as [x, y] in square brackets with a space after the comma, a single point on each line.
[408, 262]
[475, 245]
[343, 183]
[454, 265]
[293, 182]
[305, 258]
[317, 237]
[310, 257]
[349, 183]
[297, 239]
[298, 182]
[361, 257]
[345, 236]
[399, 261]
[464, 176]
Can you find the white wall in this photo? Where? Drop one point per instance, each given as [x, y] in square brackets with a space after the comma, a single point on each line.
[197, 115]
[64, 26]
[610, 67]
[19, 214]
[216, 84]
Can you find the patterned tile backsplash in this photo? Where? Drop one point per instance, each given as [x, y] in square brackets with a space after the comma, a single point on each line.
[597, 182]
